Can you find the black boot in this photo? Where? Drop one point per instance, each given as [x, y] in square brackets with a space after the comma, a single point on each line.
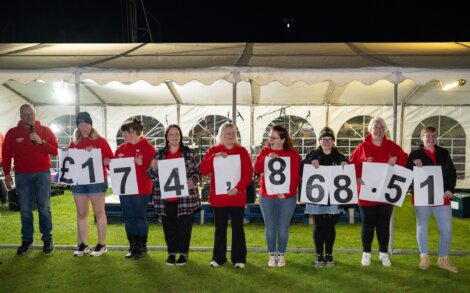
[144, 243]
[132, 243]
[139, 247]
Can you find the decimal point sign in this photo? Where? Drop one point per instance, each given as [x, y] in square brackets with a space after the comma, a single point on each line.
[374, 190]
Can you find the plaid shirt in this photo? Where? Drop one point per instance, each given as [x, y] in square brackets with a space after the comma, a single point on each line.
[186, 204]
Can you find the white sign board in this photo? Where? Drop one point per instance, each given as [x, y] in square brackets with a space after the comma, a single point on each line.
[227, 173]
[428, 186]
[277, 175]
[123, 176]
[172, 178]
[385, 183]
[78, 166]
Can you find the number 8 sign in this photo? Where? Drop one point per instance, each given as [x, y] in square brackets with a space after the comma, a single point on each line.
[277, 175]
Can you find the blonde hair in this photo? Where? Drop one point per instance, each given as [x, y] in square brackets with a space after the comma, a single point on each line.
[377, 120]
[223, 127]
[77, 135]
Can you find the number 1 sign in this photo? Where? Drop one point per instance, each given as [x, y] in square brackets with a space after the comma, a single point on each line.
[80, 167]
[428, 186]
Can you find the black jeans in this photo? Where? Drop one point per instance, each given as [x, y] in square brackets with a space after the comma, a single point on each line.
[378, 217]
[238, 253]
[177, 229]
[324, 233]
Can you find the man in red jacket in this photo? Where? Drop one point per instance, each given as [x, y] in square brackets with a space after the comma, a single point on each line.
[29, 144]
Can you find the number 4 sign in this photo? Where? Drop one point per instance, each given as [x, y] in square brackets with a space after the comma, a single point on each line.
[172, 178]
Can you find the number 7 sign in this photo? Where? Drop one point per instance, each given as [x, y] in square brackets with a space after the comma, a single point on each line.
[123, 176]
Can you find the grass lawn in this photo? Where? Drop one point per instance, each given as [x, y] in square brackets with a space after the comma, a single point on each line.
[61, 272]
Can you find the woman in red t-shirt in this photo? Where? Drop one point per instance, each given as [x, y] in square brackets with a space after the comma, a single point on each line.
[86, 137]
[233, 202]
[134, 207]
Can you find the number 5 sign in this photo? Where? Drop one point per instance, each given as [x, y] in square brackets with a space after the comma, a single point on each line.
[385, 183]
[123, 176]
[428, 186]
[277, 175]
[333, 182]
[172, 178]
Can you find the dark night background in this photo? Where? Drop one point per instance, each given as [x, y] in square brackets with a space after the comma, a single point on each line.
[235, 21]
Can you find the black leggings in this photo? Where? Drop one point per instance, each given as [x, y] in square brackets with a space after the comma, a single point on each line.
[376, 217]
[324, 233]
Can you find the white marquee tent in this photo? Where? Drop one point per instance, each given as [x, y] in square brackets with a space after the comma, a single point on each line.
[180, 83]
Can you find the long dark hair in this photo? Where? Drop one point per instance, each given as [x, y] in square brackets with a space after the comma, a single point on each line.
[283, 134]
[168, 130]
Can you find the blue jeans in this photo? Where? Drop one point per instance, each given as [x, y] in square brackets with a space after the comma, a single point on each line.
[443, 216]
[277, 215]
[134, 208]
[35, 187]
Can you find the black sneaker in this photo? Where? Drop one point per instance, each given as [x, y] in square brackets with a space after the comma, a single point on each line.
[99, 250]
[171, 260]
[81, 250]
[24, 248]
[48, 246]
[320, 260]
[329, 260]
[182, 260]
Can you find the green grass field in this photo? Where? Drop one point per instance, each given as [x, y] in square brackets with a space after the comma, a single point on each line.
[61, 272]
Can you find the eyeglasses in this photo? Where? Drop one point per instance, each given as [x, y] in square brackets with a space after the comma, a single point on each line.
[430, 135]
[273, 138]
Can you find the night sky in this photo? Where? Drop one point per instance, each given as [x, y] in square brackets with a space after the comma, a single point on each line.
[234, 21]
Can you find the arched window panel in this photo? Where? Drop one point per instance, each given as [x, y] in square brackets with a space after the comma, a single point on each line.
[154, 131]
[204, 134]
[450, 135]
[63, 128]
[300, 130]
[352, 133]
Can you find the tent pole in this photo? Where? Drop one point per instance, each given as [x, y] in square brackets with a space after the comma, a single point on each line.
[394, 136]
[178, 113]
[77, 92]
[234, 104]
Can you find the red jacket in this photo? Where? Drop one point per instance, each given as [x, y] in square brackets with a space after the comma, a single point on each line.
[99, 143]
[207, 169]
[144, 148]
[294, 170]
[366, 151]
[1, 143]
[29, 157]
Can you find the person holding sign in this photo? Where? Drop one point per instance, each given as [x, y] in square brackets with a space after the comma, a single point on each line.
[134, 207]
[430, 154]
[376, 215]
[232, 199]
[177, 212]
[326, 216]
[30, 144]
[87, 137]
[279, 164]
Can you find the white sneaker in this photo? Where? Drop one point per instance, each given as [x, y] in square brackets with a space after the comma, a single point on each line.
[239, 265]
[272, 261]
[365, 259]
[383, 257]
[214, 264]
[82, 250]
[281, 261]
[100, 249]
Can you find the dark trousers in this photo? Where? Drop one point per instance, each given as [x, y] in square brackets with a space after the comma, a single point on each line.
[177, 229]
[134, 208]
[324, 233]
[376, 217]
[238, 251]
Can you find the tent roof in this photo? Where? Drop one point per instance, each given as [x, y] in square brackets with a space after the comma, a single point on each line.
[265, 73]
